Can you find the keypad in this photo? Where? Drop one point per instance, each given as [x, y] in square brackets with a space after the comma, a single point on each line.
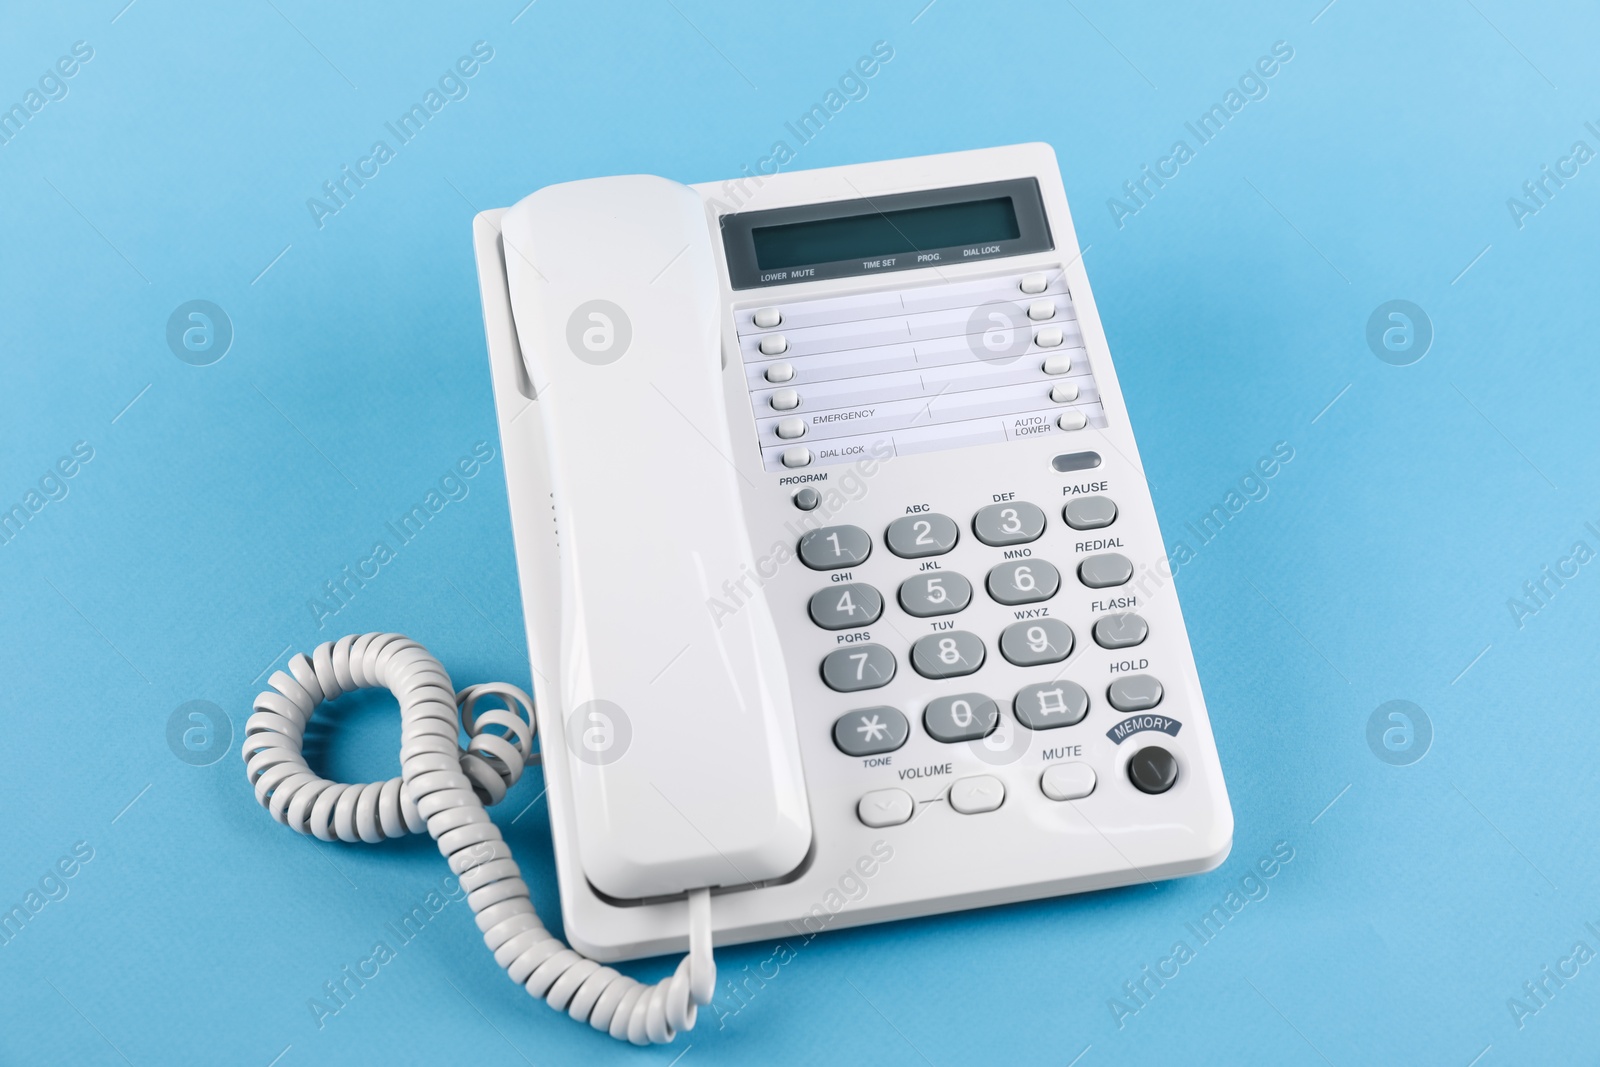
[1047, 705]
[1134, 692]
[870, 731]
[963, 717]
[840, 607]
[1089, 512]
[914, 536]
[936, 593]
[857, 667]
[950, 654]
[1024, 581]
[1014, 523]
[1105, 570]
[832, 547]
[1035, 641]
[952, 718]
[1120, 631]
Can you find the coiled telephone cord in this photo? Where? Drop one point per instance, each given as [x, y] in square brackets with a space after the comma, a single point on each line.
[445, 790]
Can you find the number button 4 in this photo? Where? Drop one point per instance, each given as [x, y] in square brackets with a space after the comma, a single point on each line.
[847, 605]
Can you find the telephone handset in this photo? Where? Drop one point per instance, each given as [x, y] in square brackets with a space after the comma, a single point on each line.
[845, 595]
[613, 290]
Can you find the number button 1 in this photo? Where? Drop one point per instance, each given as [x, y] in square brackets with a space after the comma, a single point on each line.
[843, 606]
[935, 593]
[832, 547]
[912, 536]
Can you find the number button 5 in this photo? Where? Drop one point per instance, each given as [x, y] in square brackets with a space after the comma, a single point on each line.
[936, 593]
[913, 536]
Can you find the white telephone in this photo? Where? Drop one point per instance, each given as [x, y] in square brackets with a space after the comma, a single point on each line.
[844, 591]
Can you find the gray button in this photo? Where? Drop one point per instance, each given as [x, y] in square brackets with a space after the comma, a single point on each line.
[870, 731]
[1076, 461]
[935, 593]
[1047, 705]
[1090, 512]
[1153, 770]
[807, 499]
[963, 717]
[948, 655]
[1136, 692]
[1120, 631]
[1035, 641]
[832, 547]
[912, 536]
[1106, 569]
[843, 606]
[1024, 581]
[857, 667]
[1014, 523]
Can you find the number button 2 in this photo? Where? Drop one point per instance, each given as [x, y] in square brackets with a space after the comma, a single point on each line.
[913, 536]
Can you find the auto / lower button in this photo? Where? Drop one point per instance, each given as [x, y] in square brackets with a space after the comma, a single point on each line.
[885, 807]
[980, 793]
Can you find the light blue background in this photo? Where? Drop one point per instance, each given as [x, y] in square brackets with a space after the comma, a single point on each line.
[1379, 567]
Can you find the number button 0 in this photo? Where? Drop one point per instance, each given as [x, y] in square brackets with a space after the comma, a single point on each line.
[1015, 523]
[1024, 581]
[849, 670]
[936, 593]
[912, 536]
[947, 655]
[1035, 641]
[833, 547]
[965, 717]
[847, 605]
